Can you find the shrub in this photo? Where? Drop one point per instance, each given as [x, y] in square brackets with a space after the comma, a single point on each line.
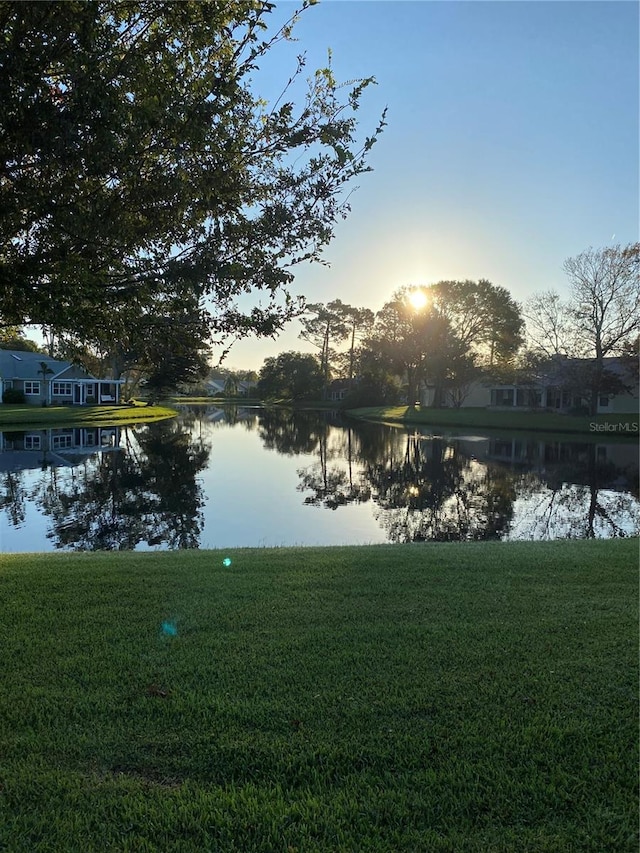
[13, 395]
[378, 391]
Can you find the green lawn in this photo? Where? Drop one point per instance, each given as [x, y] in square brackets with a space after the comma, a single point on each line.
[607, 426]
[44, 417]
[471, 698]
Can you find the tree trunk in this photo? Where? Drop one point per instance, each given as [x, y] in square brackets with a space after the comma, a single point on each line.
[351, 354]
[325, 366]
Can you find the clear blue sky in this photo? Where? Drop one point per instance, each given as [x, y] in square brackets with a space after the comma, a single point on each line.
[512, 142]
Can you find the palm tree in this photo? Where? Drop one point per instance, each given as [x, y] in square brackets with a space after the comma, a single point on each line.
[231, 386]
[44, 370]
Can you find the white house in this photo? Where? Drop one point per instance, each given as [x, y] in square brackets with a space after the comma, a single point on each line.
[245, 388]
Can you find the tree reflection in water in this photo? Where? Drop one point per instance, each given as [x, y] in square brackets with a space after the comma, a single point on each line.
[151, 491]
[582, 494]
[148, 493]
[331, 483]
[428, 488]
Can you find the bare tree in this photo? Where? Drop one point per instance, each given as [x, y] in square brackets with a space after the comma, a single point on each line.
[549, 325]
[605, 297]
[600, 319]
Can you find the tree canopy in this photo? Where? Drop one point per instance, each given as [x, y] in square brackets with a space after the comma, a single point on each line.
[601, 317]
[290, 375]
[137, 162]
[484, 317]
[440, 334]
[599, 320]
[605, 298]
[410, 340]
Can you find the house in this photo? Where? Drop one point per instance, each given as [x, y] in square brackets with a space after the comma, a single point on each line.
[563, 386]
[338, 389]
[49, 381]
[55, 447]
[215, 386]
[219, 387]
[559, 388]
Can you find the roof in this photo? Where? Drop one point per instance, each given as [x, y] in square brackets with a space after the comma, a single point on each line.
[559, 369]
[18, 364]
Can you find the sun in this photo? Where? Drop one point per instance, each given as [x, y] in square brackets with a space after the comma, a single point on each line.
[418, 299]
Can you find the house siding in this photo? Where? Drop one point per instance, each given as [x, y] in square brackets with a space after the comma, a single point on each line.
[626, 404]
[481, 394]
[23, 372]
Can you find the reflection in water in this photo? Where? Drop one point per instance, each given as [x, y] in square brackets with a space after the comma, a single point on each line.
[331, 483]
[146, 492]
[149, 486]
[432, 490]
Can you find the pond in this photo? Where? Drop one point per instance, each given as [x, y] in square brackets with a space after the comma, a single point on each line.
[215, 478]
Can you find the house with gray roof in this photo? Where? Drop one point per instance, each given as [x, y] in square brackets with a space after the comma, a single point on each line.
[49, 381]
[560, 387]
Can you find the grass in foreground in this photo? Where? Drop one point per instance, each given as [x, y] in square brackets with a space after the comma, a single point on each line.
[461, 697]
[613, 425]
[36, 417]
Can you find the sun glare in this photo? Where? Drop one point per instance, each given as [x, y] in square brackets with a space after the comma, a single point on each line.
[418, 299]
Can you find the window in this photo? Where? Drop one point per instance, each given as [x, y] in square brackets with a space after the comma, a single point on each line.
[61, 441]
[32, 442]
[503, 396]
[61, 389]
[31, 387]
[603, 400]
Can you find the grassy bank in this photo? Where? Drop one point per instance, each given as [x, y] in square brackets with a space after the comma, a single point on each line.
[222, 402]
[36, 417]
[599, 426]
[466, 697]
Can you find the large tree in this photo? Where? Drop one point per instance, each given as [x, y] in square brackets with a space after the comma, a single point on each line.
[549, 324]
[484, 317]
[605, 298]
[328, 326]
[600, 319]
[323, 326]
[359, 323]
[415, 341]
[292, 375]
[136, 160]
[601, 316]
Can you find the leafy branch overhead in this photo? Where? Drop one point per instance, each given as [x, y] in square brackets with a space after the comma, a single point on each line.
[136, 160]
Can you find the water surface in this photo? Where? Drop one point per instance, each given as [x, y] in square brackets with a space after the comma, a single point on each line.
[217, 478]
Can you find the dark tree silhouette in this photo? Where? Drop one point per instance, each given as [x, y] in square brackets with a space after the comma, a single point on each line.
[148, 494]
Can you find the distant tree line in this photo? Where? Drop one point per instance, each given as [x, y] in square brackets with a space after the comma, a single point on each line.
[441, 333]
[446, 335]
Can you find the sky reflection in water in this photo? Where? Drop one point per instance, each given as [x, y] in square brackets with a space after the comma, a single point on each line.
[249, 477]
